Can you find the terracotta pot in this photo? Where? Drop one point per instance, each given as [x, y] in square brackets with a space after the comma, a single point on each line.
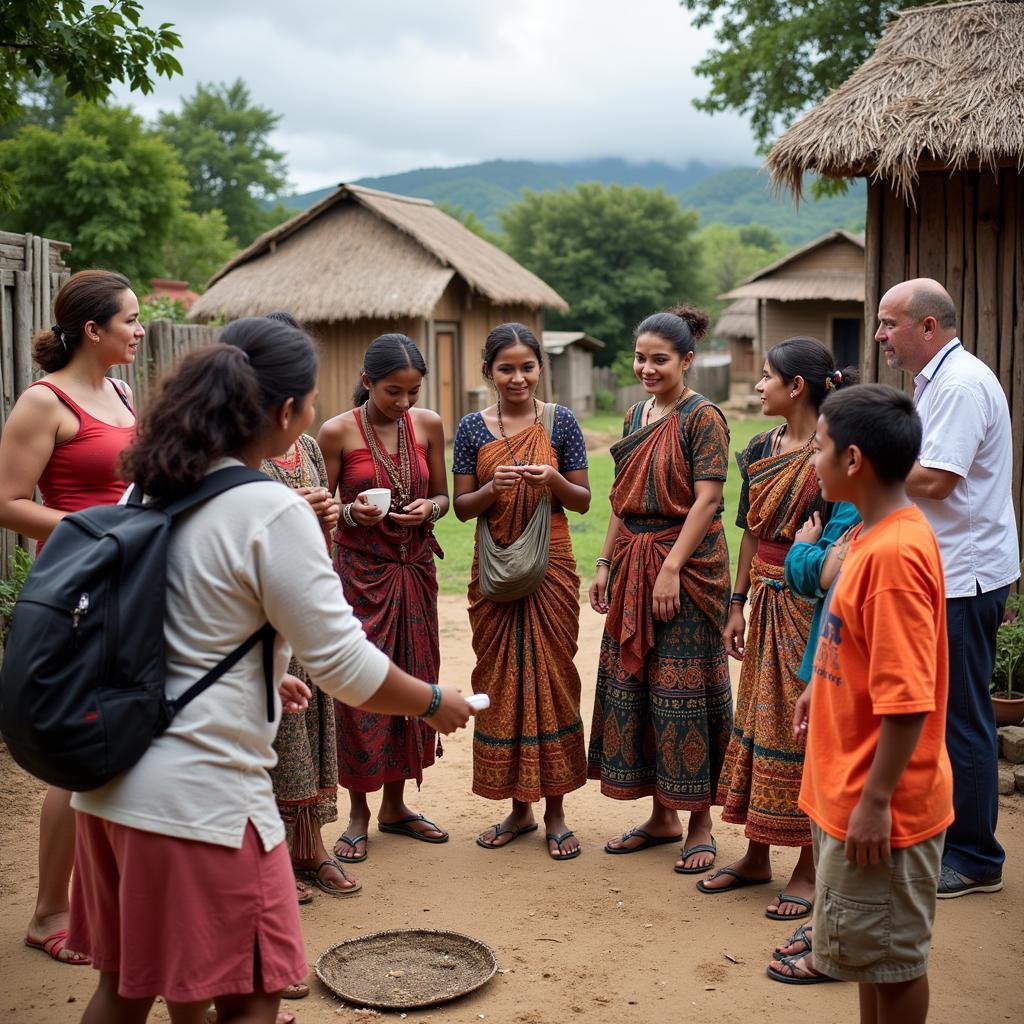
[1009, 711]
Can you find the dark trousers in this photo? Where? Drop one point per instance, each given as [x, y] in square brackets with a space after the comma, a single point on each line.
[971, 846]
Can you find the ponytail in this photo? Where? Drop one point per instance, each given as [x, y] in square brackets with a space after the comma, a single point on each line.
[217, 403]
[89, 295]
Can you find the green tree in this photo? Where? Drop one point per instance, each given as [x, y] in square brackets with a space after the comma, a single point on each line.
[221, 139]
[86, 48]
[110, 186]
[777, 57]
[614, 253]
[43, 101]
[729, 254]
[197, 247]
[469, 219]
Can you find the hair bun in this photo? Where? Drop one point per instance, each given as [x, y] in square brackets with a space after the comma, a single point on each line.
[696, 319]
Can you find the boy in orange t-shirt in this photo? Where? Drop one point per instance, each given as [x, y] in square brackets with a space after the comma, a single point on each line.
[877, 783]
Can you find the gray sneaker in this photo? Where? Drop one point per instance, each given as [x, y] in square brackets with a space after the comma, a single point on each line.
[952, 884]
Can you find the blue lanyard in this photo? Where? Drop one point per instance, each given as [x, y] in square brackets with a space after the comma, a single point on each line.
[949, 352]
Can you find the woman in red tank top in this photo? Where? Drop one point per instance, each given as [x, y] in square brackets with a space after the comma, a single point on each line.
[386, 566]
[65, 436]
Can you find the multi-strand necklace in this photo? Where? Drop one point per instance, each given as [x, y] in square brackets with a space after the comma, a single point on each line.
[400, 476]
[670, 408]
[504, 436]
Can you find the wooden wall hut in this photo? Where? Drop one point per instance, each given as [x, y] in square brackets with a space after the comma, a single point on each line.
[570, 357]
[934, 119]
[361, 263]
[737, 326]
[816, 290]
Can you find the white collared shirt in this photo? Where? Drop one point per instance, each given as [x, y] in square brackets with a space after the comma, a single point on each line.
[967, 432]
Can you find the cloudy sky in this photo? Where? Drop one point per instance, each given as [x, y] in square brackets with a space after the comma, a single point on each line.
[380, 86]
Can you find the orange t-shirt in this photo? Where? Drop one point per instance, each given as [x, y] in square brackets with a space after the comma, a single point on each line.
[882, 651]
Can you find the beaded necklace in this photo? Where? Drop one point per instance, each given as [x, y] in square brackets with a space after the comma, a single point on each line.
[400, 476]
[504, 436]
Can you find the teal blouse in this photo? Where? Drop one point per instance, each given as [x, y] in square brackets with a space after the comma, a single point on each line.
[803, 572]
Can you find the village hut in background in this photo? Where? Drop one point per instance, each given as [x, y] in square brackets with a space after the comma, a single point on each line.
[570, 356]
[816, 290]
[935, 120]
[361, 263]
[737, 327]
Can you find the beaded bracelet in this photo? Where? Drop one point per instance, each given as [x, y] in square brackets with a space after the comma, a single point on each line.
[435, 702]
[436, 512]
[346, 514]
[603, 561]
[738, 599]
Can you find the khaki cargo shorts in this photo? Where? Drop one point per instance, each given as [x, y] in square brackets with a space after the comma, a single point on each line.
[874, 924]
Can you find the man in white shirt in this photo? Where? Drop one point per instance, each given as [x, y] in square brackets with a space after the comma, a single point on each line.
[962, 483]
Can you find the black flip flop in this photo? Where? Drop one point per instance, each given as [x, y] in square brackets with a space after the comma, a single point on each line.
[403, 828]
[788, 979]
[553, 837]
[741, 882]
[800, 935]
[689, 851]
[350, 841]
[499, 831]
[798, 901]
[648, 842]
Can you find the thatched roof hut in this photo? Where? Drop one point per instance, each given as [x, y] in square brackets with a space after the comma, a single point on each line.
[944, 90]
[817, 289]
[570, 358]
[935, 120]
[737, 320]
[360, 263]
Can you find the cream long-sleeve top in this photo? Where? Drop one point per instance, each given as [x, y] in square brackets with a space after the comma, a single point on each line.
[251, 555]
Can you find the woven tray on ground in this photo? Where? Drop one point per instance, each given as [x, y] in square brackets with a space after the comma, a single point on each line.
[406, 967]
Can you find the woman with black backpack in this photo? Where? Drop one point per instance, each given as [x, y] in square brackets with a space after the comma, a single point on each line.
[184, 886]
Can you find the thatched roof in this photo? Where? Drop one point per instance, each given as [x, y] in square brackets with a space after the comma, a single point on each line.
[737, 320]
[363, 253]
[794, 277]
[944, 88]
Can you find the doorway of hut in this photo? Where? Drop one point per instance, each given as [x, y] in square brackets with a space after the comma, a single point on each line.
[447, 368]
[846, 341]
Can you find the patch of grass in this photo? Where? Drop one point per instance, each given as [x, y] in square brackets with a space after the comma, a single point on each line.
[456, 539]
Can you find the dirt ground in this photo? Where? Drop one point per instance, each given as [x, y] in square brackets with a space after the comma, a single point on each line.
[616, 939]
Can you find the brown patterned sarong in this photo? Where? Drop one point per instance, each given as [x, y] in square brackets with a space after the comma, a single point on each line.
[663, 707]
[763, 765]
[529, 743]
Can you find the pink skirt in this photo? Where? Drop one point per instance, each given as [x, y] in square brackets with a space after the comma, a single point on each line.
[184, 919]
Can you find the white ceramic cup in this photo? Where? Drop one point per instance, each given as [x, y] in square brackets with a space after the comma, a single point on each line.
[379, 497]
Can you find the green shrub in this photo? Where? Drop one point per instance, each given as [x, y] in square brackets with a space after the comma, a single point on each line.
[10, 588]
[604, 400]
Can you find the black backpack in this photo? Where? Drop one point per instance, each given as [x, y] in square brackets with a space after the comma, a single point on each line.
[82, 684]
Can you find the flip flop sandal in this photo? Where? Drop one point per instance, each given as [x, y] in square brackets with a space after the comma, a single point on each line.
[648, 842]
[313, 875]
[741, 882]
[302, 894]
[297, 991]
[800, 935]
[403, 828]
[52, 946]
[351, 842]
[797, 901]
[499, 831]
[689, 851]
[802, 979]
[553, 837]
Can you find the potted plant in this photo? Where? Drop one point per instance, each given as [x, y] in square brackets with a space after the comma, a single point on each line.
[1007, 685]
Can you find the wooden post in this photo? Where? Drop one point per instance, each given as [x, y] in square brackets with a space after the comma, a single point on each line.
[931, 244]
[969, 312]
[22, 329]
[954, 196]
[987, 243]
[1010, 227]
[872, 270]
[894, 262]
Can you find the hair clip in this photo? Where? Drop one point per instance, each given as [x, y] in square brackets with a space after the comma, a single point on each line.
[59, 335]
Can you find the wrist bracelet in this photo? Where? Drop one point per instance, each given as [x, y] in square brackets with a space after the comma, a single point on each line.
[346, 514]
[603, 561]
[436, 513]
[435, 702]
[740, 599]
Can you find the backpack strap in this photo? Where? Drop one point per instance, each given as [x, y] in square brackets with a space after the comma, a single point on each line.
[216, 483]
[266, 634]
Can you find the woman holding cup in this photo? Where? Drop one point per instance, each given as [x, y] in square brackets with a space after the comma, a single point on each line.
[385, 459]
